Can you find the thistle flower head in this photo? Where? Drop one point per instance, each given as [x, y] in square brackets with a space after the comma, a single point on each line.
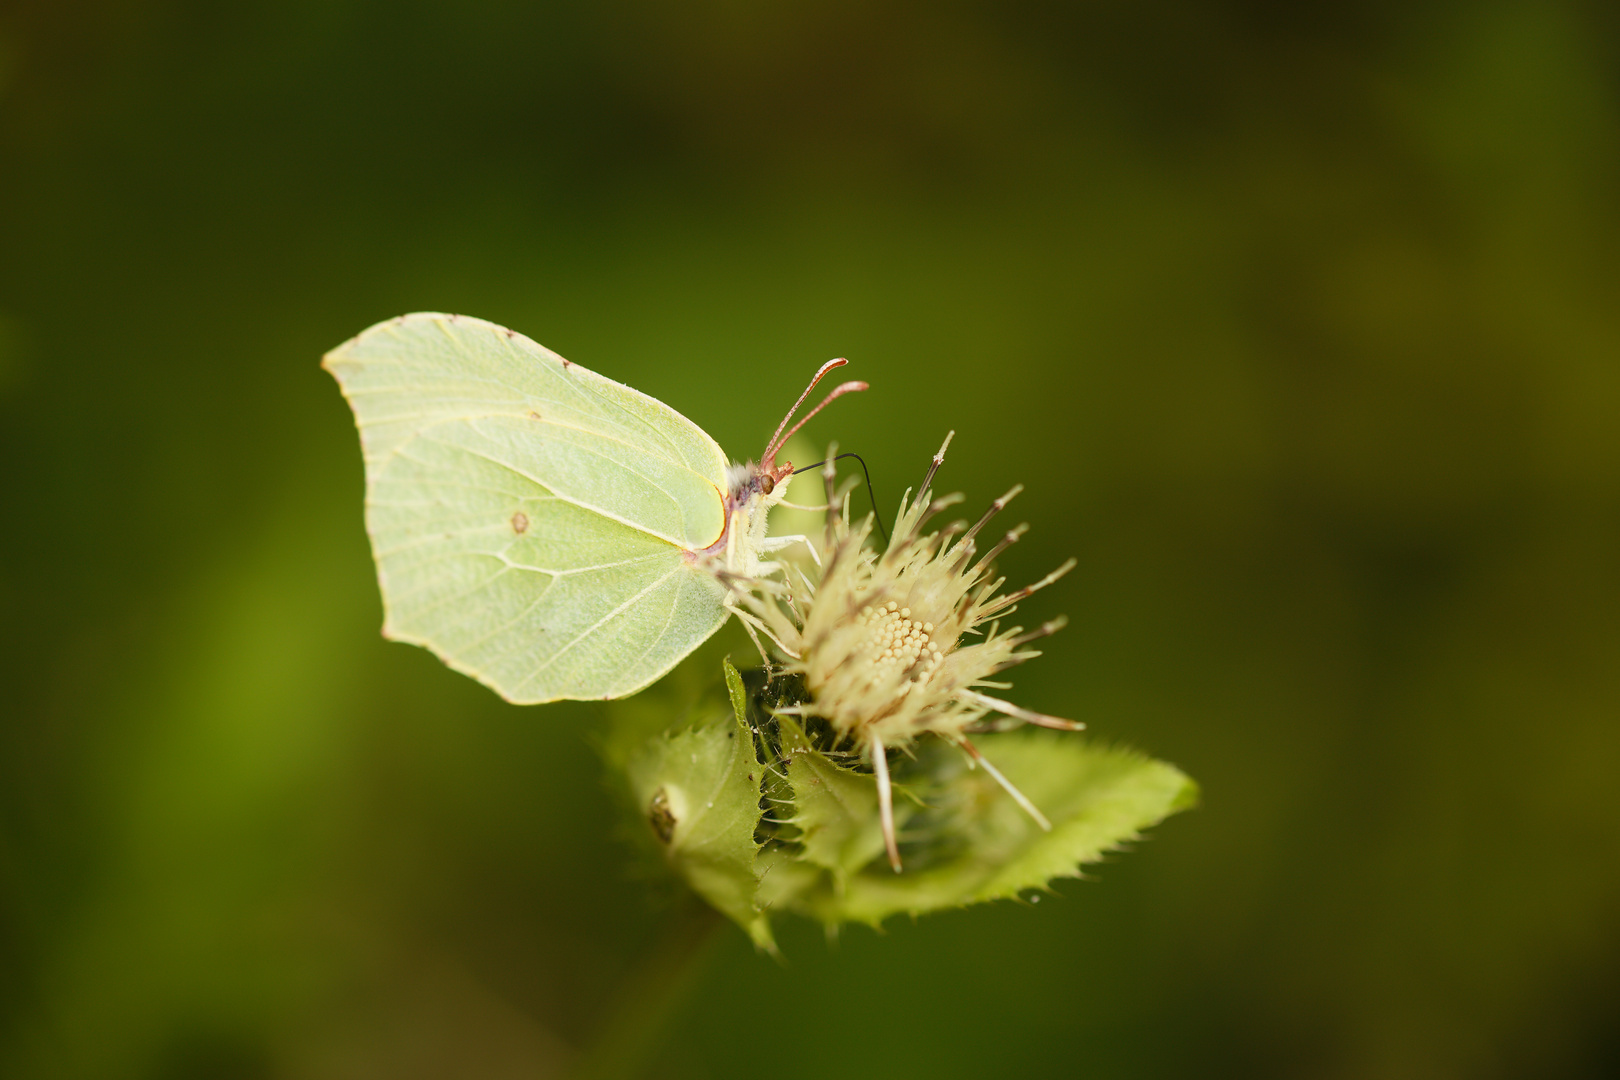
[898, 645]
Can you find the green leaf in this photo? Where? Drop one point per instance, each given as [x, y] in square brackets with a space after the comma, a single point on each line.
[697, 791]
[972, 843]
[834, 808]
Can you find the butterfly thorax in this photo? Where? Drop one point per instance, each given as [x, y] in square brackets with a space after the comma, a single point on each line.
[752, 492]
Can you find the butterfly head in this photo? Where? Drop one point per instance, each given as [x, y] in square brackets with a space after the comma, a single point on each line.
[754, 488]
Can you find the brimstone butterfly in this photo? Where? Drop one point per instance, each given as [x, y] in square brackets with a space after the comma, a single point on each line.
[548, 531]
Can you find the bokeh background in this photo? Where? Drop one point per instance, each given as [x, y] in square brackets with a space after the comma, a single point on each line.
[1299, 321]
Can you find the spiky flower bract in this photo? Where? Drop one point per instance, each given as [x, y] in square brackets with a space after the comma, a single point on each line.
[887, 656]
[897, 645]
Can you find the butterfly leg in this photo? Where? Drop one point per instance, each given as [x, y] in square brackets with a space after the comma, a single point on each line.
[740, 601]
[772, 544]
[748, 618]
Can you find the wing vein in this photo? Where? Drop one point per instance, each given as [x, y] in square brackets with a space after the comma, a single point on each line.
[514, 470]
[597, 625]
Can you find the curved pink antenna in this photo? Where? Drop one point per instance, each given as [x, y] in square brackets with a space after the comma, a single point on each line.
[767, 463]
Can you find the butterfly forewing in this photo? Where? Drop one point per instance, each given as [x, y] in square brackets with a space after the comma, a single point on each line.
[528, 516]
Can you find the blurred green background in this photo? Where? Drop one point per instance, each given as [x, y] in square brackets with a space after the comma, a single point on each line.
[1300, 322]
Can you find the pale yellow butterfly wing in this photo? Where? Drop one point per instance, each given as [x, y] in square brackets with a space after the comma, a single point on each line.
[531, 520]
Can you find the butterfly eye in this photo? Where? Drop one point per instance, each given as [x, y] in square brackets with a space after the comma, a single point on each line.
[767, 484]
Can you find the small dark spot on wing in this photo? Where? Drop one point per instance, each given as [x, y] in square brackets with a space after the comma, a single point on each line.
[533, 415]
[520, 523]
